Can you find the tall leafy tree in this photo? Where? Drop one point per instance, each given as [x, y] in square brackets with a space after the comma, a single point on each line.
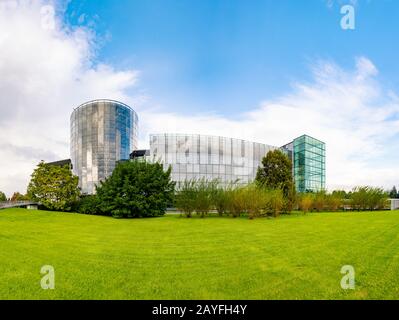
[136, 189]
[2, 196]
[394, 193]
[55, 187]
[276, 173]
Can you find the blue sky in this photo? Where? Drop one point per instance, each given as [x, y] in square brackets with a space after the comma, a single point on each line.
[260, 70]
[224, 56]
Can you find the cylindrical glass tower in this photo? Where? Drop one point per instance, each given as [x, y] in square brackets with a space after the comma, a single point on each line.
[102, 133]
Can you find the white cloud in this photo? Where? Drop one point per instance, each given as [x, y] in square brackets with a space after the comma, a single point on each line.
[45, 73]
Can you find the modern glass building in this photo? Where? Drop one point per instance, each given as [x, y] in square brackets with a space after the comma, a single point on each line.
[102, 133]
[193, 156]
[309, 163]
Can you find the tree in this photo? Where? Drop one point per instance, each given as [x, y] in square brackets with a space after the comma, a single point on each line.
[19, 197]
[3, 196]
[55, 187]
[276, 173]
[394, 193]
[136, 189]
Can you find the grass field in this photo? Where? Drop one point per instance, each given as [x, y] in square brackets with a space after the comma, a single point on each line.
[293, 257]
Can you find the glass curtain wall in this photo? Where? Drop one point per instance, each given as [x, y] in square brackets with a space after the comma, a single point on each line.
[102, 133]
[309, 160]
[199, 156]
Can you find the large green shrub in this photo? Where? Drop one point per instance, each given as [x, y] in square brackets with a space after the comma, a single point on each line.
[89, 205]
[136, 189]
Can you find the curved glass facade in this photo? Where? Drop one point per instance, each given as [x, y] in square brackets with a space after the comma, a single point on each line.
[102, 133]
[198, 156]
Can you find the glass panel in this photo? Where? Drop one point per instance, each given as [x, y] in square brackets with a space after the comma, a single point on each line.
[309, 164]
[102, 133]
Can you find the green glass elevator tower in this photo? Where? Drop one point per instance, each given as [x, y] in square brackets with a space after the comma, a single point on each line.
[309, 164]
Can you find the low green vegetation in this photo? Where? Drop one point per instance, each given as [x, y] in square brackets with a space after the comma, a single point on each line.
[254, 200]
[170, 257]
[359, 199]
[202, 197]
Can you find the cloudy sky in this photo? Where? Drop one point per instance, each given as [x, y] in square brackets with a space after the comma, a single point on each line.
[266, 71]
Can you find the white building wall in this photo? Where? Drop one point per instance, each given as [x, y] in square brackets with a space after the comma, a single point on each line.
[194, 156]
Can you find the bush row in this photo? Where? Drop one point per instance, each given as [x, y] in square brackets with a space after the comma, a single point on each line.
[202, 196]
[360, 199]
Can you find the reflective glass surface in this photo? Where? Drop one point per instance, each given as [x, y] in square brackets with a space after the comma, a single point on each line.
[209, 157]
[102, 133]
[309, 161]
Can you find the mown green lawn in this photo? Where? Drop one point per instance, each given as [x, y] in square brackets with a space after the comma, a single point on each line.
[292, 257]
